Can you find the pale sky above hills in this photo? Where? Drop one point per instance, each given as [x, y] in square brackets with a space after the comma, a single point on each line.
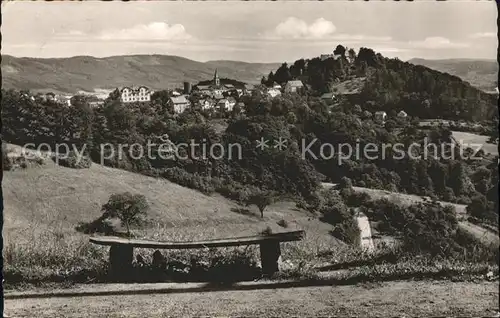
[250, 31]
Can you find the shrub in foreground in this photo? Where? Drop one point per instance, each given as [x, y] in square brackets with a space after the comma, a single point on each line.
[335, 212]
[482, 209]
[6, 162]
[129, 208]
[283, 223]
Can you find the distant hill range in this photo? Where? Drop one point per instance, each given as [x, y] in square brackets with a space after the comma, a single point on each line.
[70, 75]
[482, 74]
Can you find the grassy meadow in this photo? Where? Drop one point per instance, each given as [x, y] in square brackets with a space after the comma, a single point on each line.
[473, 140]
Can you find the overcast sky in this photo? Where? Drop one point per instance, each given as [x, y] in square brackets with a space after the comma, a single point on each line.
[249, 31]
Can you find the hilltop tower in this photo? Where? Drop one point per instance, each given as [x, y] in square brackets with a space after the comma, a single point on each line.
[216, 79]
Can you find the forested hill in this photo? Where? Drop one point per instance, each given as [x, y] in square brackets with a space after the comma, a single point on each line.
[391, 85]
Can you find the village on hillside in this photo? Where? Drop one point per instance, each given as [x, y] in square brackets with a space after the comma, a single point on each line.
[214, 96]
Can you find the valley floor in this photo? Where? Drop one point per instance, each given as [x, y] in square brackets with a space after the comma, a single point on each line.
[403, 298]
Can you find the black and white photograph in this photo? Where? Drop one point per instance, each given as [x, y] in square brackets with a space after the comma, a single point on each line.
[250, 159]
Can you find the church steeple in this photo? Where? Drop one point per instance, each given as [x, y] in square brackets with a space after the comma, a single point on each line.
[216, 79]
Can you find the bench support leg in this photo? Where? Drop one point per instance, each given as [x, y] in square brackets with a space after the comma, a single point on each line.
[269, 255]
[120, 259]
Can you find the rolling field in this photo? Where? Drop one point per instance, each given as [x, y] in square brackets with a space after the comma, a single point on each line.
[474, 140]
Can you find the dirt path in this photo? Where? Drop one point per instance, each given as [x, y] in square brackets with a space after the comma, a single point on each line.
[423, 299]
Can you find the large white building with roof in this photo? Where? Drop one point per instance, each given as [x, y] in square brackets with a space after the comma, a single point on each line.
[135, 94]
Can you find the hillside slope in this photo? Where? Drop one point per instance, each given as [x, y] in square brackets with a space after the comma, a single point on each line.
[49, 201]
[482, 74]
[87, 73]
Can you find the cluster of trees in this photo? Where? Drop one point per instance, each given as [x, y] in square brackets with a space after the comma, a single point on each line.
[28, 121]
[442, 174]
[428, 228]
[335, 211]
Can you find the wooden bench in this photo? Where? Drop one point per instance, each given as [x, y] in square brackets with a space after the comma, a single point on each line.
[121, 252]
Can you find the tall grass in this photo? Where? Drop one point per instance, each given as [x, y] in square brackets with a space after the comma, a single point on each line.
[52, 256]
[59, 256]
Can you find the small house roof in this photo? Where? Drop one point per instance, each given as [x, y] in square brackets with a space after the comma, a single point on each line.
[179, 99]
[295, 83]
